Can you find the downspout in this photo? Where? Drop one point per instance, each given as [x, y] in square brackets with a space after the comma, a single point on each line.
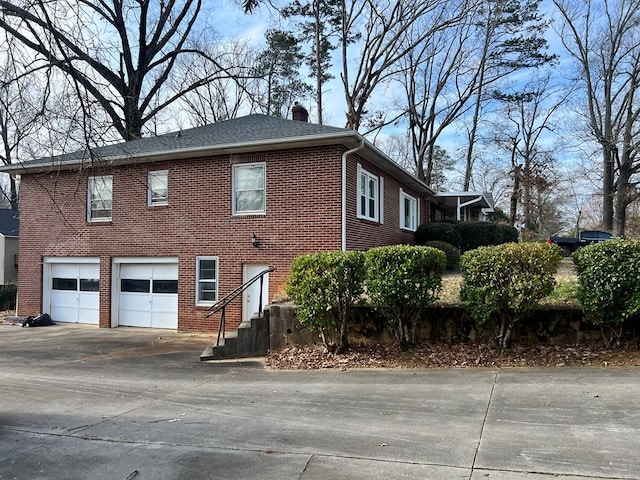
[344, 192]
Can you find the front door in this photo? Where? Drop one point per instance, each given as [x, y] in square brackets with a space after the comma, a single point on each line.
[251, 296]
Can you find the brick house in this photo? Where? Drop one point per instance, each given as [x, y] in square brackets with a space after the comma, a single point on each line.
[152, 232]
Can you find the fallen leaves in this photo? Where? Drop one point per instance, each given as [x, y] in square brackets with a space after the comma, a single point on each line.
[460, 355]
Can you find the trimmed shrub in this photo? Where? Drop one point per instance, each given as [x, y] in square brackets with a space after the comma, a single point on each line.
[479, 234]
[8, 293]
[438, 231]
[507, 281]
[401, 281]
[325, 287]
[451, 251]
[609, 283]
[509, 233]
[466, 235]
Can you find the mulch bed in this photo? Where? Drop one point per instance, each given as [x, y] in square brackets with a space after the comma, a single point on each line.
[467, 355]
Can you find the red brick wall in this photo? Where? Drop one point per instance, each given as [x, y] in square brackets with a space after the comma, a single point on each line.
[363, 234]
[303, 214]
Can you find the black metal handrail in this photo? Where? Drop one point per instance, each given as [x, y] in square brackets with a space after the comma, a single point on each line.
[221, 305]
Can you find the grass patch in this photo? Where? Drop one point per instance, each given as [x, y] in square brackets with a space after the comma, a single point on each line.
[564, 294]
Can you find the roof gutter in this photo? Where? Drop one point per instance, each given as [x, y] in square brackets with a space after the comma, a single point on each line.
[344, 192]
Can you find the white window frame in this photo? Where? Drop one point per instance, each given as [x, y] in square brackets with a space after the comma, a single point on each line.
[155, 200]
[377, 190]
[414, 211]
[235, 168]
[91, 181]
[199, 280]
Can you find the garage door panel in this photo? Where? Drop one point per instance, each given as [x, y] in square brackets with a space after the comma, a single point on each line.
[130, 318]
[165, 271]
[164, 303]
[64, 270]
[89, 271]
[134, 301]
[134, 270]
[64, 306]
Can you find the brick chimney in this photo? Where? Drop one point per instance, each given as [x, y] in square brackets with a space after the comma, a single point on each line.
[299, 113]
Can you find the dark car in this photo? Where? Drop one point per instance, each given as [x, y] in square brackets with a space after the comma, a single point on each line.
[586, 237]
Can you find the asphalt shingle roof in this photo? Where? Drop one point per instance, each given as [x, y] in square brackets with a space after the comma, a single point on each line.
[243, 130]
[9, 220]
[249, 133]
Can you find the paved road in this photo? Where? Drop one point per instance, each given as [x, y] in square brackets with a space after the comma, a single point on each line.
[77, 402]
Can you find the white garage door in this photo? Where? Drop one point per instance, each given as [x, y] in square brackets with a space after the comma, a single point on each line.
[74, 294]
[148, 295]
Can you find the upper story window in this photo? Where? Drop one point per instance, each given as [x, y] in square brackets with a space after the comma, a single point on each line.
[99, 198]
[158, 188]
[206, 280]
[370, 187]
[408, 212]
[249, 193]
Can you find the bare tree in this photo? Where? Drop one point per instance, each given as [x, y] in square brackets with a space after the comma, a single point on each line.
[122, 61]
[22, 110]
[603, 39]
[529, 115]
[438, 82]
[224, 97]
[509, 39]
[388, 35]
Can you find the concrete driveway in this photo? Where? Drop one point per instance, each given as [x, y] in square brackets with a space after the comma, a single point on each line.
[78, 402]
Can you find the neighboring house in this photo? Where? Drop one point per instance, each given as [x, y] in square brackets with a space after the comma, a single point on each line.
[463, 206]
[8, 246]
[152, 232]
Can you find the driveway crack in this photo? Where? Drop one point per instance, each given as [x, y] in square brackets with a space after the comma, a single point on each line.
[484, 422]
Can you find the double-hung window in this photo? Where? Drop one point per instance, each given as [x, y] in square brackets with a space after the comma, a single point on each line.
[408, 212]
[99, 198]
[249, 192]
[158, 188]
[206, 280]
[369, 195]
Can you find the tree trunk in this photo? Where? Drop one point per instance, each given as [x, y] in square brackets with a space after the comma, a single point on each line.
[515, 196]
[504, 337]
[13, 200]
[316, 8]
[607, 187]
[622, 200]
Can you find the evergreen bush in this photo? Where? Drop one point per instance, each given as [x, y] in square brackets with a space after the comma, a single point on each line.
[466, 235]
[325, 288]
[438, 231]
[451, 251]
[506, 281]
[401, 281]
[609, 284]
[479, 234]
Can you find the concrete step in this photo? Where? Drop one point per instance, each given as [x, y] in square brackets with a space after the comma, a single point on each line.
[251, 339]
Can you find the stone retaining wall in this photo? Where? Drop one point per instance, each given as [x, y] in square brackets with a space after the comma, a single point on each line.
[440, 324]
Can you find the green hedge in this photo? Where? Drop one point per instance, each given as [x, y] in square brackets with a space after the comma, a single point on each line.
[438, 231]
[504, 282]
[466, 235]
[326, 287]
[451, 251]
[401, 281]
[609, 283]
